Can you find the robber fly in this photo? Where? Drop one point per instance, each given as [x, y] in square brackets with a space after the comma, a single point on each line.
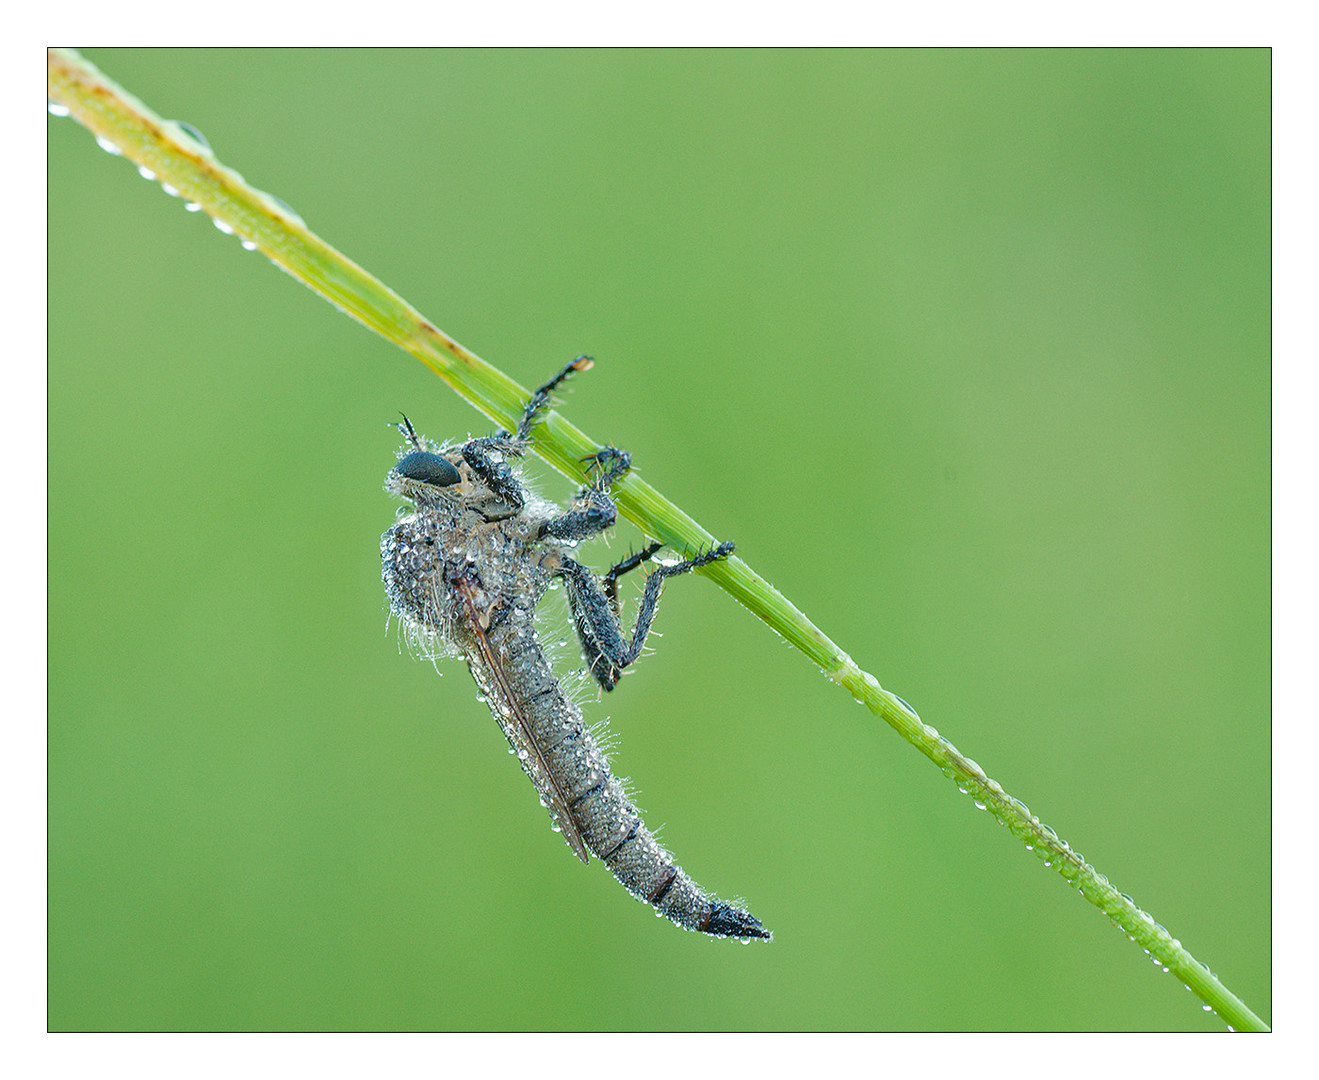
[464, 571]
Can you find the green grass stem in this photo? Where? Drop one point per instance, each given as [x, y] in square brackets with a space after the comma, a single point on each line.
[179, 161]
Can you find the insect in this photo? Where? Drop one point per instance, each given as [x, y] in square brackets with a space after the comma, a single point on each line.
[464, 571]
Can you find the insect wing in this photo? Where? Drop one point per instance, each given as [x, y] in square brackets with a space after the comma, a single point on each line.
[513, 719]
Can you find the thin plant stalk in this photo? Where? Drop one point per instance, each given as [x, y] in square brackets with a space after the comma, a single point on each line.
[173, 155]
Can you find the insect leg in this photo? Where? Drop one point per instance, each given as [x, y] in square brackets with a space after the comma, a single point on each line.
[622, 567]
[497, 474]
[593, 510]
[541, 397]
[594, 514]
[599, 629]
[612, 463]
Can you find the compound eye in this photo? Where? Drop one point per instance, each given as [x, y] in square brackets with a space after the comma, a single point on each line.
[427, 468]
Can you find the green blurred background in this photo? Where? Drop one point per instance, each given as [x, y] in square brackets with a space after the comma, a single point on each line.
[969, 352]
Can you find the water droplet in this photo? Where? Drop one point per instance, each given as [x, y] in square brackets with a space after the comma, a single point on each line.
[192, 207]
[905, 706]
[106, 145]
[979, 805]
[285, 207]
[1207, 1008]
[248, 245]
[145, 173]
[56, 109]
[194, 134]
[223, 226]
[169, 189]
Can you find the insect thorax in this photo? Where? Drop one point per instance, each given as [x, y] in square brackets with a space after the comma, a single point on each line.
[445, 563]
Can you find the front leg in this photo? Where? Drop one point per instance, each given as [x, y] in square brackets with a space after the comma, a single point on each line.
[498, 474]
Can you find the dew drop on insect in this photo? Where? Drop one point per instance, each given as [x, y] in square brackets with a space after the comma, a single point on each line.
[106, 145]
[56, 109]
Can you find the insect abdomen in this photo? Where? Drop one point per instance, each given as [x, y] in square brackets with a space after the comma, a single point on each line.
[614, 830]
[608, 822]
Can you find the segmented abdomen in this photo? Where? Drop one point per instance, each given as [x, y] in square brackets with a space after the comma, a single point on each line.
[605, 817]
